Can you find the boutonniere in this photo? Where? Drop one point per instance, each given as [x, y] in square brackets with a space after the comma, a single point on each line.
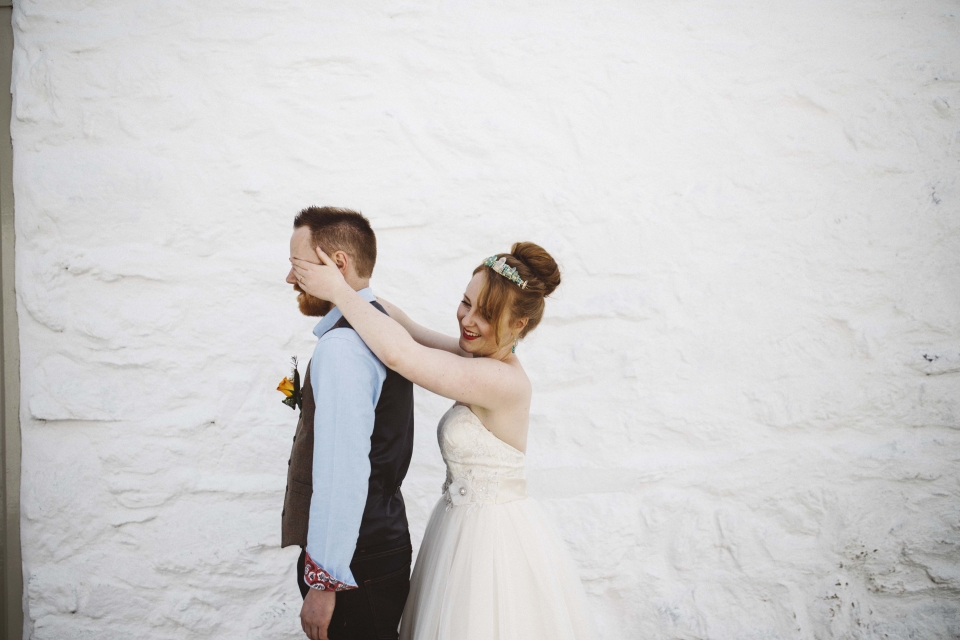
[290, 387]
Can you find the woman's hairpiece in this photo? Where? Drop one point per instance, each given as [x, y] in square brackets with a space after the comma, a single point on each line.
[510, 273]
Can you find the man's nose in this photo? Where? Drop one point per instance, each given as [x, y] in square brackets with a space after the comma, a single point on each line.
[291, 277]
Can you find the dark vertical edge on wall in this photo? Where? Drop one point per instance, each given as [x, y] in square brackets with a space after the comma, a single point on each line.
[11, 569]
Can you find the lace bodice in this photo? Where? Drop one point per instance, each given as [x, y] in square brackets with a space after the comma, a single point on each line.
[480, 466]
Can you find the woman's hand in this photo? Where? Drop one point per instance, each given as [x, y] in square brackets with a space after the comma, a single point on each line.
[324, 281]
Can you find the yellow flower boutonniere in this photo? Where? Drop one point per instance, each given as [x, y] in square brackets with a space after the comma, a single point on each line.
[290, 387]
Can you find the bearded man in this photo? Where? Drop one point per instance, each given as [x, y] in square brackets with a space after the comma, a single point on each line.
[351, 452]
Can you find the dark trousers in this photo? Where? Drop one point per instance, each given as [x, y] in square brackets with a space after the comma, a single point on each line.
[371, 612]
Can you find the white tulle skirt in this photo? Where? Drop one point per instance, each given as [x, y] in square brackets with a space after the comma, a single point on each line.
[490, 571]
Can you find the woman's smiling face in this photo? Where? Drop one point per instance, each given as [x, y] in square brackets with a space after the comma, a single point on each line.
[476, 334]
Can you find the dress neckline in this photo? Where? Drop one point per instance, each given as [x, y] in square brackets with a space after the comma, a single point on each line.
[482, 426]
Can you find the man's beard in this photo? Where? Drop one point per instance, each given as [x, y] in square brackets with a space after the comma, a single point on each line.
[311, 306]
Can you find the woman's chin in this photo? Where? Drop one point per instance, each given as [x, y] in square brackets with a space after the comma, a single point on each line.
[475, 348]
[468, 345]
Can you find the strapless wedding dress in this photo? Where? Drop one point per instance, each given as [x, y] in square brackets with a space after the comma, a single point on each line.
[491, 566]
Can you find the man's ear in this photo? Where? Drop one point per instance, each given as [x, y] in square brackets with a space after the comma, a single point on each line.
[342, 260]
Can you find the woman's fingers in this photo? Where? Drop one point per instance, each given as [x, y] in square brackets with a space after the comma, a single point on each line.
[324, 258]
[304, 264]
[305, 268]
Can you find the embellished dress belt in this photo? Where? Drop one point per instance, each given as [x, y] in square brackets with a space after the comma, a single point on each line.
[463, 491]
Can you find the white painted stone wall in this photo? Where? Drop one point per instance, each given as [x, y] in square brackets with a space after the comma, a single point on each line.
[747, 410]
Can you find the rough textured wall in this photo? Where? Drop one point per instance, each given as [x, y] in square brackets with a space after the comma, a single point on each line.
[747, 409]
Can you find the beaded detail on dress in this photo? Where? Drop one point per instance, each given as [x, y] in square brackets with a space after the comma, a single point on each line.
[481, 468]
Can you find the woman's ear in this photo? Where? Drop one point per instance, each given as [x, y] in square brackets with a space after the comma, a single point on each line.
[521, 324]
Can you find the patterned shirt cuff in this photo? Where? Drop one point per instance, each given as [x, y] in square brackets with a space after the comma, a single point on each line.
[317, 577]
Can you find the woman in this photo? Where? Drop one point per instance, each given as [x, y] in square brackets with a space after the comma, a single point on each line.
[490, 566]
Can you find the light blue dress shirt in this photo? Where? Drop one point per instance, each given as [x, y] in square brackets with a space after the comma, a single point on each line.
[347, 379]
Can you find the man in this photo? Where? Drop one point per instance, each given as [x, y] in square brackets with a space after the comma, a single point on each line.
[351, 451]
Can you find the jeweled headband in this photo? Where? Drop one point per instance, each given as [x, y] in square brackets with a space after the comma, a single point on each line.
[510, 273]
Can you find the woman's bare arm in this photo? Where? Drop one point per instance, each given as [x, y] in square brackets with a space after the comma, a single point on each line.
[424, 336]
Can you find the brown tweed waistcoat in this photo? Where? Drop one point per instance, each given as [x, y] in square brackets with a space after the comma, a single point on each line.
[296, 502]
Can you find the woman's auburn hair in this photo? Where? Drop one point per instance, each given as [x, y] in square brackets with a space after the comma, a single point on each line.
[500, 296]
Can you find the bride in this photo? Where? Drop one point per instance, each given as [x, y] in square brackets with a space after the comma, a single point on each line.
[491, 565]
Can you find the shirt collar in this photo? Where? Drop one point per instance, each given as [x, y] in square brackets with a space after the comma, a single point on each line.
[334, 316]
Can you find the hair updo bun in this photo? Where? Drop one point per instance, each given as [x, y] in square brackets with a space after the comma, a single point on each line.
[500, 295]
[540, 263]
